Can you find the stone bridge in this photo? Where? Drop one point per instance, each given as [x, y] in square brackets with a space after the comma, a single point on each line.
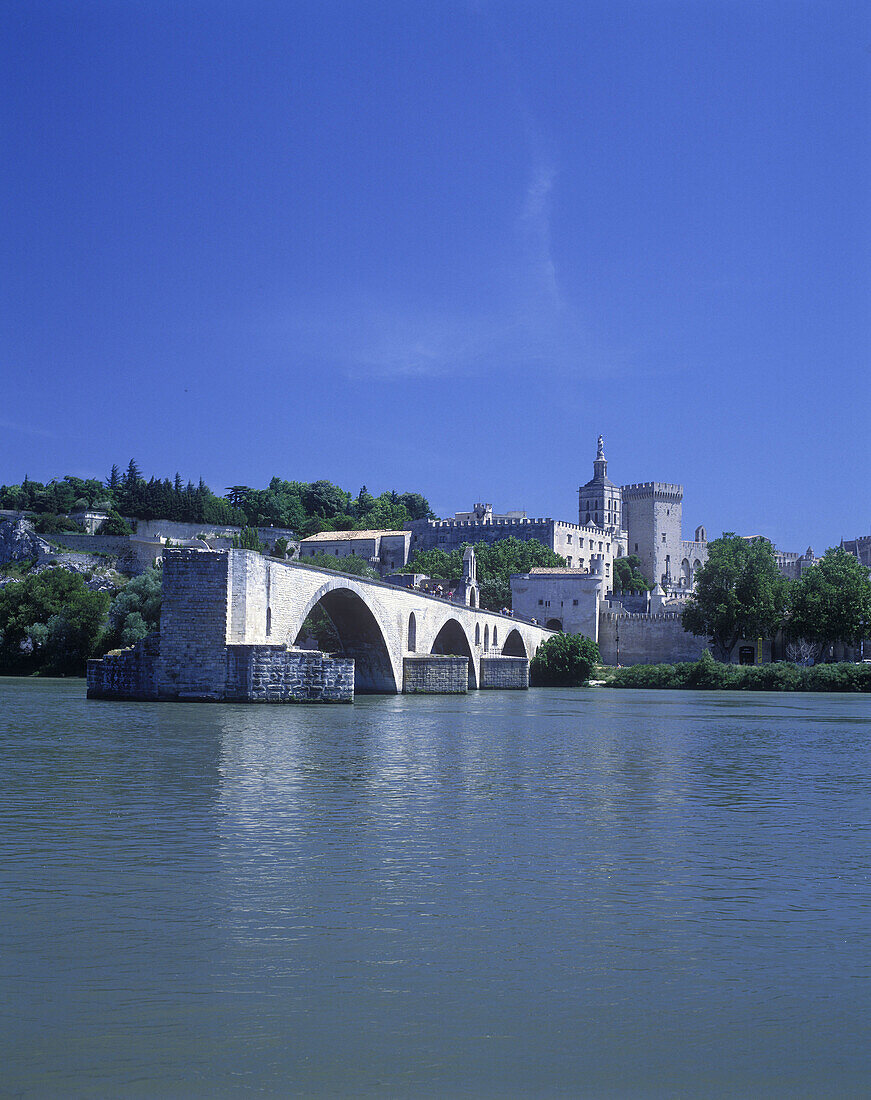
[232, 625]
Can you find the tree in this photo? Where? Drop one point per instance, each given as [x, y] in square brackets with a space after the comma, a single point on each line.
[322, 498]
[495, 562]
[628, 576]
[49, 622]
[830, 602]
[135, 610]
[248, 539]
[566, 660]
[416, 505]
[739, 593]
[237, 494]
[114, 524]
[132, 474]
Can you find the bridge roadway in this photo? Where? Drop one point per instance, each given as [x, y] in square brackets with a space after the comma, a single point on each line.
[377, 624]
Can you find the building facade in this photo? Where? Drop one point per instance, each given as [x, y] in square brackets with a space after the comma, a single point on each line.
[385, 551]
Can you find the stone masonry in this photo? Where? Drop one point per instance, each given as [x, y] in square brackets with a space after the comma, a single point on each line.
[435, 674]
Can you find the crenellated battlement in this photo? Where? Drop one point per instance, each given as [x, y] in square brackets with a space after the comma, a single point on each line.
[641, 489]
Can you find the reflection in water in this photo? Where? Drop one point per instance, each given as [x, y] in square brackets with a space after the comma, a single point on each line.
[540, 893]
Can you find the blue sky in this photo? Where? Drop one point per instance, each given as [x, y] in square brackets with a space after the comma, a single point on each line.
[441, 246]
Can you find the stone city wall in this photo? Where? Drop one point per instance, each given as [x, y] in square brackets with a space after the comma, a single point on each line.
[647, 639]
[114, 545]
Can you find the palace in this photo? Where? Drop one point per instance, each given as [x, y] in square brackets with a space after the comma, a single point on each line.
[614, 521]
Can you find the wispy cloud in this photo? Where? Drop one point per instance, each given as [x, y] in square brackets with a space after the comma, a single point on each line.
[530, 325]
[26, 429]
[535, 219]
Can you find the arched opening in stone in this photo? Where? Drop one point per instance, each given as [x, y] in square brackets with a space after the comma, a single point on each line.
[685, 574]
[268, 621]
[473, 598]
[697, 565]
[452, 639]
[342, 624]
[514, 646]
[477, 633]
[495, 637]
[486, 637]
[553, 624]
[412, 633]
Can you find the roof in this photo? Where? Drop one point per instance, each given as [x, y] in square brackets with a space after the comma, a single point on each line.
[350, 536]
[557, 569]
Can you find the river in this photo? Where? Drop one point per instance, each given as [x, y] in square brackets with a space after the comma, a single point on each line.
[546, 893]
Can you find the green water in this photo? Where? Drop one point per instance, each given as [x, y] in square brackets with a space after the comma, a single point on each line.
[544, 893]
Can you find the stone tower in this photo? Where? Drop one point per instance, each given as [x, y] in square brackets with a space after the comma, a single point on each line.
[652, 513]
[600, 501]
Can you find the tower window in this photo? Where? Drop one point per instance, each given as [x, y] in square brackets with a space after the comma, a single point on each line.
[663, 536]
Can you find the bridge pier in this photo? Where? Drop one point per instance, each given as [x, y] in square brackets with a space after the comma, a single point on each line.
[435, 674]
[505, 673]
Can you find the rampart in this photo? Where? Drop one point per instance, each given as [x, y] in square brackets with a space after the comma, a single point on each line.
[646, 639]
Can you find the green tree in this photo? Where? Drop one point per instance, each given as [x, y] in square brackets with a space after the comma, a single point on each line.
[114, 524]
[739, 593]
[248, 539]
[113, 481]
[416, 506]
[628, 576]
[495, 562]
[830, 602]
[237, 494]
[49, 622]
[135, 610]
[566, 660]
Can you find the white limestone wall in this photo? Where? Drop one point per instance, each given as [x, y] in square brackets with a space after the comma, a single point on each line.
[572, 599]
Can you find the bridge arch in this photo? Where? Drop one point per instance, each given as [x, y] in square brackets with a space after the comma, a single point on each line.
[554, 624]
[514, 646]
[452, 639]
[344, 623]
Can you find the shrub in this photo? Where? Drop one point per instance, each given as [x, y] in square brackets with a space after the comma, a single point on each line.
[50, 524]
[114, 524]
[708, 674]
[135, 611]
[566, 660]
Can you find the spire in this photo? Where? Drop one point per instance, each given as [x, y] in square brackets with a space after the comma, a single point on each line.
[600, 466]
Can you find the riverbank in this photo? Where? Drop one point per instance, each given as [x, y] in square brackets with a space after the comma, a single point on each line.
[706, 674]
